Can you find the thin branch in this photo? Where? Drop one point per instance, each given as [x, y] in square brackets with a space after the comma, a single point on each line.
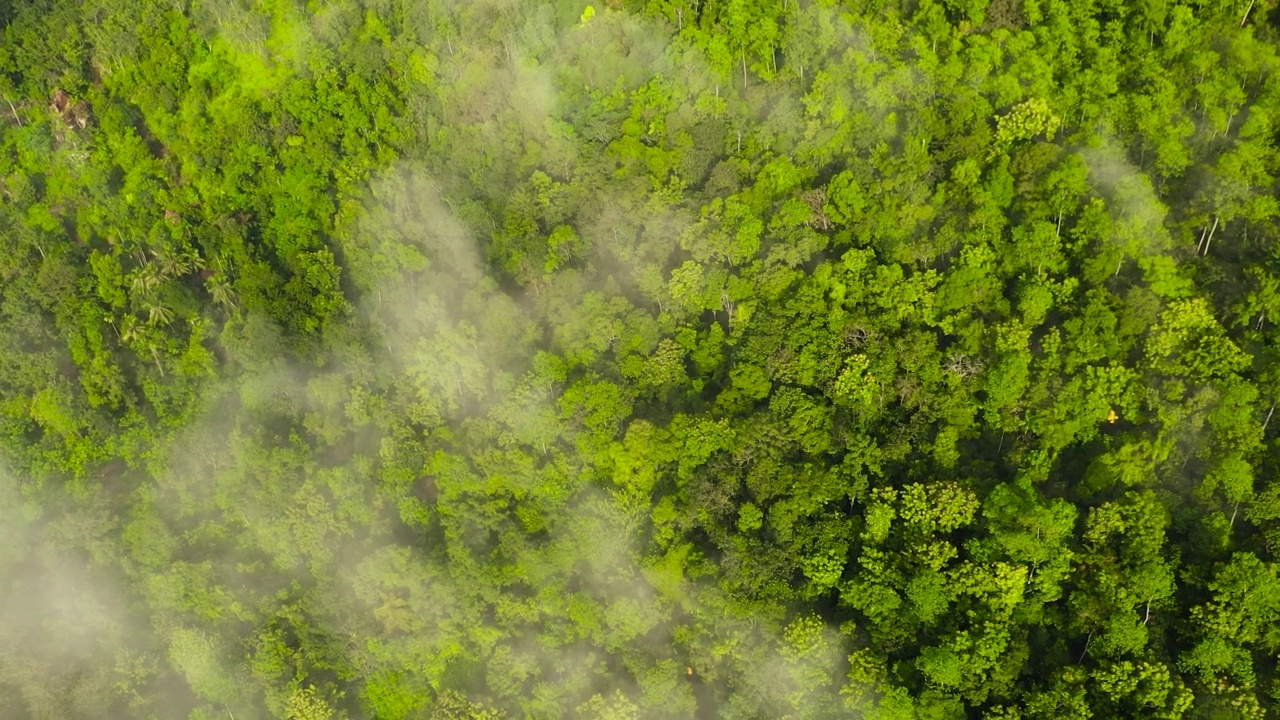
[1086, 647]
[156, 354]
[1247, 10]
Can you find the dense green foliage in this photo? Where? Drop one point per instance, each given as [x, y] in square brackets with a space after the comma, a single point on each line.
[663, 358]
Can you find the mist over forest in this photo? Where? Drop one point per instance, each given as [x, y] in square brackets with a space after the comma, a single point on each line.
[499, 359]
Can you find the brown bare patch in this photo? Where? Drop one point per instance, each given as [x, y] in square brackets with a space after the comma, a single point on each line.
[61, 101]
[75, 113]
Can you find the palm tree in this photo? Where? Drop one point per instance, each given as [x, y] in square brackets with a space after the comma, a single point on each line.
[221, 291]
[159, 314]
[146, 279]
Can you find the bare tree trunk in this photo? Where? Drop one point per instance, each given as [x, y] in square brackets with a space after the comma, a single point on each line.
[1210, 238]
[13, 110]
[1247, 10]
